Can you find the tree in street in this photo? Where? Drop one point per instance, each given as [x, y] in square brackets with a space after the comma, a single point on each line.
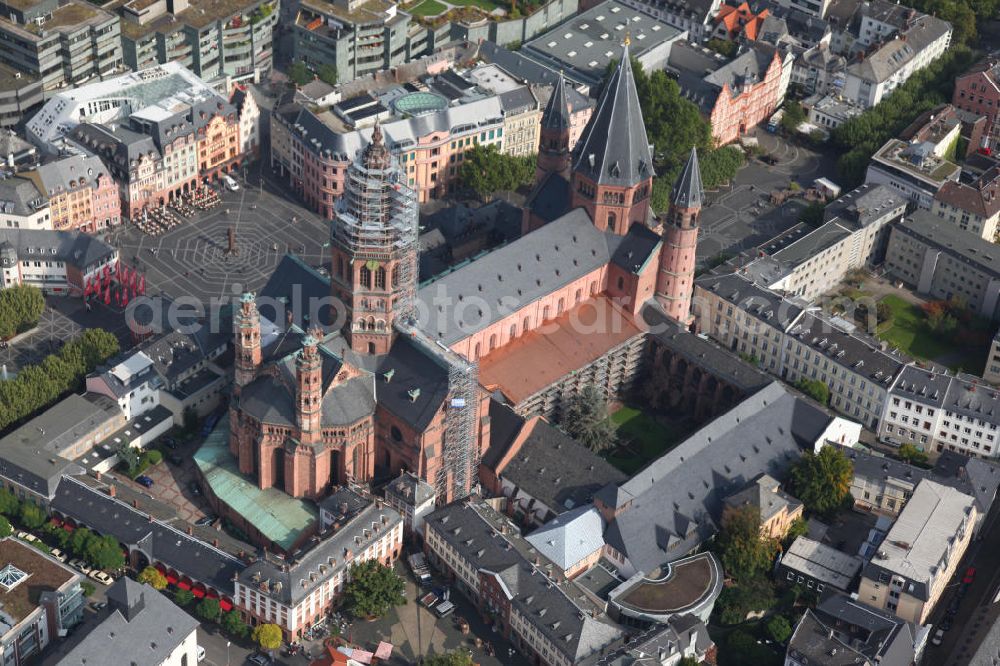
[586, 419]
[78, 541]
[32, 516]
[21, 306]
[267, 636]
[744, 551]
[183, 597]
[822, 480]
[208, 609]
[128, 456]
[151, 576]
[104, 553]
[373, 590]
[453, 658]
[793, 116]
[233, 624]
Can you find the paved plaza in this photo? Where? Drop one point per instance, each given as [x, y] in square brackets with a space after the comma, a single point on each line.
[193, 258]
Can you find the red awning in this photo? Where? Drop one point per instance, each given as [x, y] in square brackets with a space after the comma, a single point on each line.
[225, 605]
[171, 579]
[184, 586]
[212, 594]
[198, 592]
[68, 527]
[162, 569]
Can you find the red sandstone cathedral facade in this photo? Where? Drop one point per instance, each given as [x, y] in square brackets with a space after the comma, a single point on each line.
[305, 418]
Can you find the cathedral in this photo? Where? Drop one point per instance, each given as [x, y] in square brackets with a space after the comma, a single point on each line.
[403, 378]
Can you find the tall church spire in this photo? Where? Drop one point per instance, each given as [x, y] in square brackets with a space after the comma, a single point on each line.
[675, 280]
[612, 161]
[553, 148]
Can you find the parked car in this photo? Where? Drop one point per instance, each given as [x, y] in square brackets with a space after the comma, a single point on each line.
[207, 520]
[259, 659]
[101, 577]
[144, 480]
[231, 184]
[99, 605]
[58, 554]
[945, 623]
[80, 566]
[938, 637]
[970, 575]
[30, 538]
[201, 654]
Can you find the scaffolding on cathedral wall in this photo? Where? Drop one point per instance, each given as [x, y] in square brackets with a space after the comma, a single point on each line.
[461, 452]
[378, 220]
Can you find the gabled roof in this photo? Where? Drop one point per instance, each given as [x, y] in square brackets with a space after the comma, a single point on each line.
[556, 115]
[614, 149]
[570, 537]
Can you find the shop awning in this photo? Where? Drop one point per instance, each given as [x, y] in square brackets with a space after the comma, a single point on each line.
[171, 579]
[183, 585]
[225, 605]
[198, 592]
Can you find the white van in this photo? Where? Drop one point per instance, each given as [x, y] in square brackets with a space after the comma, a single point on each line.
[201, 654]
[230, 183]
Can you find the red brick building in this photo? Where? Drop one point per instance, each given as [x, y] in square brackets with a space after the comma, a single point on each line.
[978, 91]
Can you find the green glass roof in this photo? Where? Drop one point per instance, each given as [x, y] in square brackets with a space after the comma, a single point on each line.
[278, 516]
[420, 102]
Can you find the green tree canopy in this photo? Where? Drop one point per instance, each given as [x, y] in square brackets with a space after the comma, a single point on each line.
[585, 418]
[911, 454]
[486, 171]
[208, 609]
[267, 636]
[151, 576]
[744, 551]
[299, 74]
[327, 74]
[21, 306]
[778, 628]
[373, 589]
[32, 516]
[815, 389]
[232, 623]
[9, 504]
[793, 116]
[78, 541]
[822, 481]
[5, 528]
[183, 597]
[105, 553]
[453, 658]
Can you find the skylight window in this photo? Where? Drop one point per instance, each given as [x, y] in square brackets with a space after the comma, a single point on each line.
[11, 577]
[615, 10]
[571, 54]
[588, 44]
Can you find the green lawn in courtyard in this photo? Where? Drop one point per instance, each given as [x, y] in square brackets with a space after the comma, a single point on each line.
[428, 8]
[642, 439]
[486, 5]
[908, 331]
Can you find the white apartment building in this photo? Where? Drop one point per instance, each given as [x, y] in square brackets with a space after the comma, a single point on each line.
[22, 205]
[413, 498]
[788, 341]
[942, 412]
[297, 596]
[133, 383]
[921, 552]
[972, 207]
[870, 78]
[57, 262]
[915, 170]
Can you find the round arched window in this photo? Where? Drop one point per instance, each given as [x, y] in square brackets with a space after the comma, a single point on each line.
[396, 434]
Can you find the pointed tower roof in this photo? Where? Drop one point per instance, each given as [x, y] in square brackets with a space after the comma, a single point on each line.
[556, 115]
[688, 192]
[613, 149]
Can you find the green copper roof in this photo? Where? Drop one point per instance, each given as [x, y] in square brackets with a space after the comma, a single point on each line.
[278, 516]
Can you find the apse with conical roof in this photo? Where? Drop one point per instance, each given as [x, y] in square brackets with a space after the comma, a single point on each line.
[553, 149]
[612, 161]
[675, 280]
[373, 266]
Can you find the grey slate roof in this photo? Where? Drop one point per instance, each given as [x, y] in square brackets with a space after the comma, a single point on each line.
[20, 196]
[513, 276]
[947, 237]
[143, 627]
[410, 489]
[31, 455]
[558, 471]
[104, 514]
[614, 149]
[56, 176]
[73, 247]
[472, 529]
[707, 354]
[765, 495]
[637, 247]
[517, 100]
[688, 192]
[864, 204]
[661, 639]
[292, 584]
[812, 642]
[551, 199]
[556, 114]
[754, 299]
[678, 497]
[894, 54]
[852, 352]
[877, 634]
[413, 367]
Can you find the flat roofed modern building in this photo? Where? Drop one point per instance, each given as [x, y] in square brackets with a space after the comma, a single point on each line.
[921, 552]
[41, 599]
[941, 261]
[20, 94]
[915, 170]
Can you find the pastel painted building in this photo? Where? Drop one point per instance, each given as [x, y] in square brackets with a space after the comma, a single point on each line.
[81, 192]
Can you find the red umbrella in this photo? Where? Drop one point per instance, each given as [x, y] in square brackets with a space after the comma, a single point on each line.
[107, 295]
[142, 285]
